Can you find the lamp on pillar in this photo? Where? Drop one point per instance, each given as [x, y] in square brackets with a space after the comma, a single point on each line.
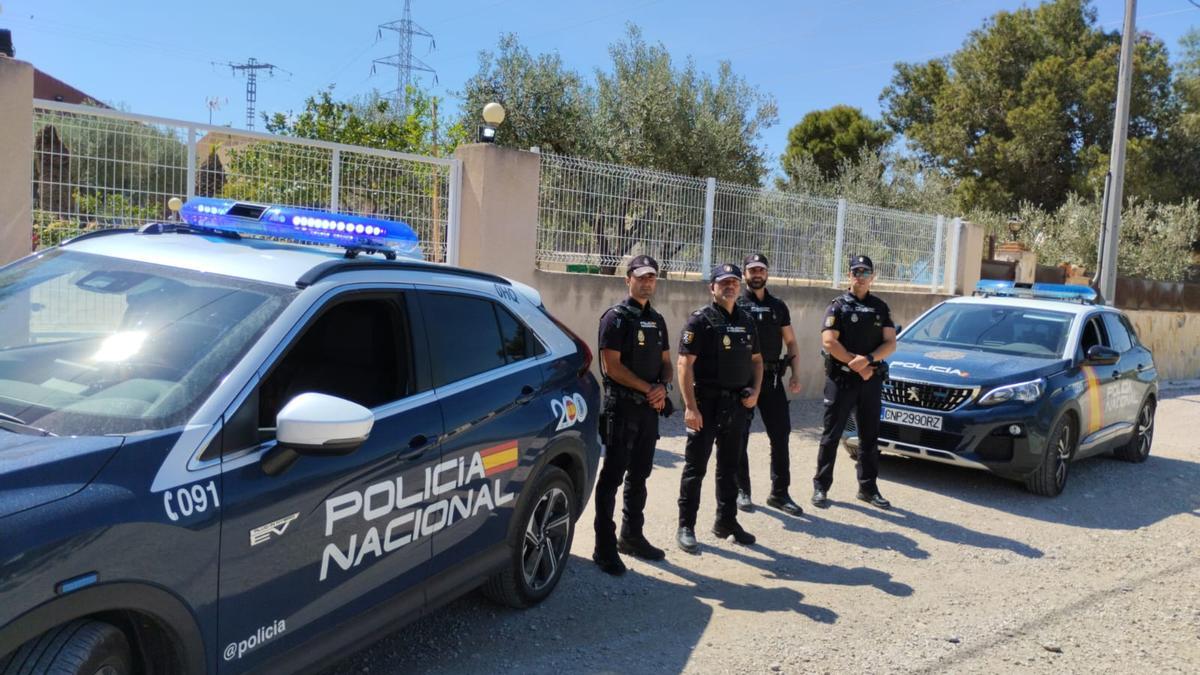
[1014, 227]
[493, 115]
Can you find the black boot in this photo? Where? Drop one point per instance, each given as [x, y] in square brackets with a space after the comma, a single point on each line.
[608, 561]
[637, 546]
[723, 530]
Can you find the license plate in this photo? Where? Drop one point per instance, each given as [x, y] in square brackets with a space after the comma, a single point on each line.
[912, 419]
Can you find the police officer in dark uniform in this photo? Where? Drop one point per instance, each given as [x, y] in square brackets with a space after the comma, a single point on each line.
[857, 334]
[774, 327]
[635, 359]
[720, 373]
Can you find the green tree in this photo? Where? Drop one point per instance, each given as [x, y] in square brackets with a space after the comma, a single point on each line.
[831, 137]
[652, 114]
[546, 105]
[1024, 110]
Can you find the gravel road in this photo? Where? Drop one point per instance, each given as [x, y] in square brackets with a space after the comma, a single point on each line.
[969, 573]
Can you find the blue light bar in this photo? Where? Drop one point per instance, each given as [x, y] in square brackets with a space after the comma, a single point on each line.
[354, 233]
[1009, 289]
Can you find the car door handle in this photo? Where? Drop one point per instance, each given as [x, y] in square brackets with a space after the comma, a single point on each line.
[526, 396]
[419, 442]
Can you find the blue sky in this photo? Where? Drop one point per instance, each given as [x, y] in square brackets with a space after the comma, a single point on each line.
[155, 56]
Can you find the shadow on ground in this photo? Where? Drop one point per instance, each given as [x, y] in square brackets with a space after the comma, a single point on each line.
[1101, 492]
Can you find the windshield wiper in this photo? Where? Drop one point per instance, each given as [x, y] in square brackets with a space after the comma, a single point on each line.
[18, 426]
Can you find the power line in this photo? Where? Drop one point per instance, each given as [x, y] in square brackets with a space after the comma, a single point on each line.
[403, 60]
[250, 68]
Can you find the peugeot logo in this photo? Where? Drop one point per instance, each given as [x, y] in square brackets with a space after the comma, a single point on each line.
[914, 394]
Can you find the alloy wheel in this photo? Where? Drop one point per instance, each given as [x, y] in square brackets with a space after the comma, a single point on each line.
[1062, 452]
[546, 534]
[1145, 429]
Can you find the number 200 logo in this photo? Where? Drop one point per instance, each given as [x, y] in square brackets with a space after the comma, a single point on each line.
[569, 410]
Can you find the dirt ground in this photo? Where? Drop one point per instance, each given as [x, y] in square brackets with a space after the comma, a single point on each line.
[968, 573]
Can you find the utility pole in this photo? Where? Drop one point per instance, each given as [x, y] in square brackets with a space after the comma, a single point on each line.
[251, 68]
[403, 60]
[1110, 232]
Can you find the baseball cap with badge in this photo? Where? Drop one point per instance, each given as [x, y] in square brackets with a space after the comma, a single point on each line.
[861, 262]
[641, 266]
[726, 271]
[754, 260]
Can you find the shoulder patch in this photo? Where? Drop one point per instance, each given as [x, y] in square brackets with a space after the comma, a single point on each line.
[688, 336]
[829, 321]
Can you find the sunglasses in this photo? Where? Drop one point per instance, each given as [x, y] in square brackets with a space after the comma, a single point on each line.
[861, 274]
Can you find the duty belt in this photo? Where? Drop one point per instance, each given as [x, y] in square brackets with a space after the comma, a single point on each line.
[625, 394]
[719, 392]
[774, 366]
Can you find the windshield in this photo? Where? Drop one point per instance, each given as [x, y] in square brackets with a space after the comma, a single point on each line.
[1003, 330]
[93, 345]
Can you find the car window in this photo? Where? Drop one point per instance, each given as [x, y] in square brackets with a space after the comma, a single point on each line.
[1093, 334]
[356, 349]
[1118, 336]
[1129, 328]
[1017, 331]
[519, 341]
[464, 336]
[93, 345]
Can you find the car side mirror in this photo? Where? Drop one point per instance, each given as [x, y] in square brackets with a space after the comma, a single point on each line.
[317, 425]
[899, 328]
[1102, 356]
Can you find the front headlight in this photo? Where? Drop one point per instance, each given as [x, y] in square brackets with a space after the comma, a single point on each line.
[1027, 392]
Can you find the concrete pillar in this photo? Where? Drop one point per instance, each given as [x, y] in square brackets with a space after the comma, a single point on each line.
[16, 159]
[970, 257]
[498, 210]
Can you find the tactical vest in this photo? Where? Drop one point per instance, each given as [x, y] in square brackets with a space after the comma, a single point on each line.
[860, 331]
[642, 345]
[732, 349]
[767, 320]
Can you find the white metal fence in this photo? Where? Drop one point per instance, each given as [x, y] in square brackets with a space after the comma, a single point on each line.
[593, 215]
[95, 168]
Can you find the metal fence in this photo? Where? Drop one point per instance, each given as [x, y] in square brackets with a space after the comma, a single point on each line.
[592, 216]
[96, 168]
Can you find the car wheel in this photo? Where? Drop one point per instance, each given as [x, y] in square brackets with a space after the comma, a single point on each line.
[540, 545]
[1050, 477]
[81, 647]
[1138, 448]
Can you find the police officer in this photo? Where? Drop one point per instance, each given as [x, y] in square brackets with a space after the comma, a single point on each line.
[720, 373]
[636, 362]
[774, 328]
[857, 335]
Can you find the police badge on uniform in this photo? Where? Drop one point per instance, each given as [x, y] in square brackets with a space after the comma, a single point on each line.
[854, 318]
[641, 338]
[727, 342]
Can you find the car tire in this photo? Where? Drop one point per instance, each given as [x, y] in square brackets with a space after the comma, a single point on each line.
[541, 543]
[78, 647]
[1049, 479]
[1138, 447]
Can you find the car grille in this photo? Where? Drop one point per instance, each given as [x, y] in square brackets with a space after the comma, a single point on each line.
[927, 396]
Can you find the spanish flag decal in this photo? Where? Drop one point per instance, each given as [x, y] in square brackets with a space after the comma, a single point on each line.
[499, 458]
[1095, 410]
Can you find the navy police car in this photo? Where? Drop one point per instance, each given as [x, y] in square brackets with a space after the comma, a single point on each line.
[1019, 380]
[221, 452]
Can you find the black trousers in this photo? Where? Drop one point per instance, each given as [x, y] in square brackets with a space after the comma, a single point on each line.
[773, 403]
[843, 394]
[724, 421]
[628, 457]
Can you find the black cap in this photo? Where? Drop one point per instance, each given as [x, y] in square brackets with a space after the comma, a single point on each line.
[861, 262]
[754, 260]
[724, 272]
[641, 265]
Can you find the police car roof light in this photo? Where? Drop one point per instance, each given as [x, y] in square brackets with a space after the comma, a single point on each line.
[1010, 289]
[354, 233]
